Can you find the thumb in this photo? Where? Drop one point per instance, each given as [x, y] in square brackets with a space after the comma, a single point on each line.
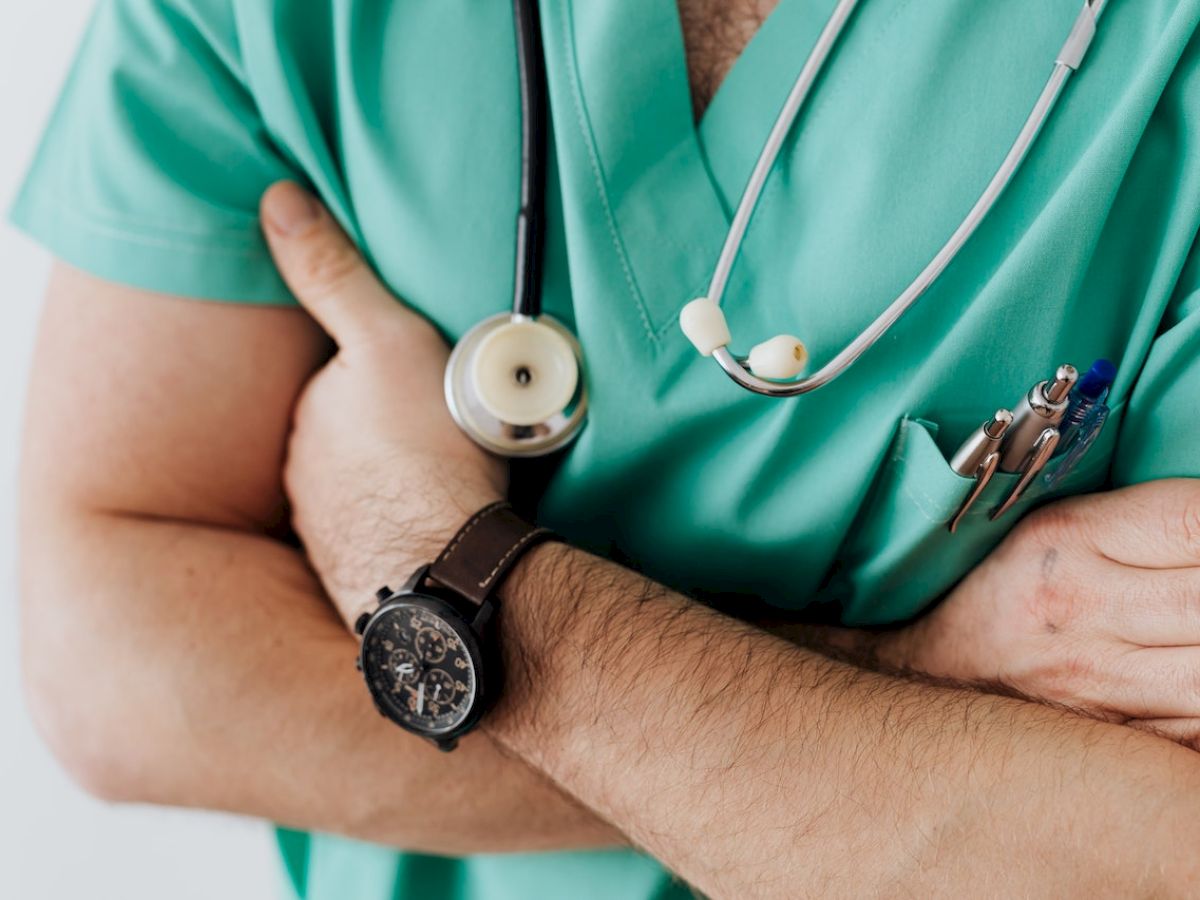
[322, 266]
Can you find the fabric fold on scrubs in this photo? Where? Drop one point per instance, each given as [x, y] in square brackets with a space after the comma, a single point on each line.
[153, 163]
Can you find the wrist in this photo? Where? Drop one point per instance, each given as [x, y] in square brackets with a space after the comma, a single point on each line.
[429, 651]
[543, 620]
[536, 598]
[392, 538]
[897, 651]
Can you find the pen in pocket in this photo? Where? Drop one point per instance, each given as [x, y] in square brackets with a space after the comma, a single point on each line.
[978, 458]
[1084, 419]
[1059, 417]
[1041, 410]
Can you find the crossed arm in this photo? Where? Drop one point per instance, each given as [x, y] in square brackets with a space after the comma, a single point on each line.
[218, 676]
[759, 769]
[174, 650]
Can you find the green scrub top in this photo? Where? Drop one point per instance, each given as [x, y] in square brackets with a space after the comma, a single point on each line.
[404, 117]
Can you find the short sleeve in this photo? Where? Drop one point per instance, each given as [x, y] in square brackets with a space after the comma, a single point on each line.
[154, 160]
[1160, 434]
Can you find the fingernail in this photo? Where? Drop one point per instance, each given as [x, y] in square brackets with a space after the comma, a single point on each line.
[290, 209]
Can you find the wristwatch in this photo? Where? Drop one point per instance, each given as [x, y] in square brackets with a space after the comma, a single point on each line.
[429, 652]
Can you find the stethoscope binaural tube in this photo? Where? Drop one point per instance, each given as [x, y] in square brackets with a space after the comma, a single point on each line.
[514, 382]
[531, 234]
[770, 366]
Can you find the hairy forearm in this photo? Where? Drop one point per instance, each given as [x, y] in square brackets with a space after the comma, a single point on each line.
[198, 666]
[753, 767]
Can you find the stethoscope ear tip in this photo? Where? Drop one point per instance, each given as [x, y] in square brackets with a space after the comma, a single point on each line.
[780, 358]
[704, 325]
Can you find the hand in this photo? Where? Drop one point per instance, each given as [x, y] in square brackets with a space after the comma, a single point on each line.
[378, 474]
[1093, 602]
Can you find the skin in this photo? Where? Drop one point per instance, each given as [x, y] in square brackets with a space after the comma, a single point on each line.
[150, 510]
[153, 573]
[175, 649]
[781, 773]
[1093, 602]
[714, 34]
[151, 576]
[816, 772]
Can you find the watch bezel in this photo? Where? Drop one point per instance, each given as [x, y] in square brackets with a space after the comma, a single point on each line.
[444, 606]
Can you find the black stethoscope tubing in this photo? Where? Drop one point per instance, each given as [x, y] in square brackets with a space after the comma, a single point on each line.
[531, 217]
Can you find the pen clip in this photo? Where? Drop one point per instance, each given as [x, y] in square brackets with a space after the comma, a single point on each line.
[1039, 455]
[983, 475]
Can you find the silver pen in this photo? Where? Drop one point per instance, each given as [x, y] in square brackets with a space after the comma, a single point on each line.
[984, 441]
[1042, 408]
[1036, 460]
[1034, 436]
[978, 458]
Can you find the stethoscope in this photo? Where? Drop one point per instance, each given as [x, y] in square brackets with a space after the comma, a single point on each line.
[515, 381]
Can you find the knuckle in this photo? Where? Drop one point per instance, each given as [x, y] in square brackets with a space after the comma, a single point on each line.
[328, 265]
[1047, 523]
[1189, 526]
[1178, 596]
[1189, 686]
[1060, 678]
[1051, 605]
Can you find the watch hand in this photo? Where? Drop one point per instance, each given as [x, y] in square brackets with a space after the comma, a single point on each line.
[421, 698]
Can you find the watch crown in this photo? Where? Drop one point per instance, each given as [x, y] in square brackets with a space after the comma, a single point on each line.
[383, 593]
[360, 624]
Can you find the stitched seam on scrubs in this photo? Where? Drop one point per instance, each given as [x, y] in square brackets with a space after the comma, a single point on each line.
[699, 289]
[224, 242]
[589, 141]
[244, 235]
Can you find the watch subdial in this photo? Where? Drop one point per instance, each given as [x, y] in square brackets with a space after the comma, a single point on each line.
[440, 687]
[404, 666]
[431, 644]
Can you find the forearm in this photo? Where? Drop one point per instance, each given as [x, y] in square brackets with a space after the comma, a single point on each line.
[756, 768]
[198, 666]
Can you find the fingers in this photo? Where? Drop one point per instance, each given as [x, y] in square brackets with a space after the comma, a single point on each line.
[1153, 525]
[324, 269]
[1157, 683]
[1151, 607]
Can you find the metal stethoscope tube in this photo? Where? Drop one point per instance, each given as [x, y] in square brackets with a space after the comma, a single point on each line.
[1069, 59]
[515, 383]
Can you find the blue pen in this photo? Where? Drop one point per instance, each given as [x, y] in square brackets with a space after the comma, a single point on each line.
[1084, 418]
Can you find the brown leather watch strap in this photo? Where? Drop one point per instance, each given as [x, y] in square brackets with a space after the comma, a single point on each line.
[484, 550]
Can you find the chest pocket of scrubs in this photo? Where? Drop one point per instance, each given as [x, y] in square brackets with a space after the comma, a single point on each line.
[900, 555]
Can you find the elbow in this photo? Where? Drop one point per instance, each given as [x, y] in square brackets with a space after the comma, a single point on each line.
[72, 692]
[86, 742]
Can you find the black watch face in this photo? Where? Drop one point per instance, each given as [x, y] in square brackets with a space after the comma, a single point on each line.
[419, 668]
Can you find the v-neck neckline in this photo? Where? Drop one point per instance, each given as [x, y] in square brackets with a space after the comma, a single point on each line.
[668, 183]
[753, 91]
[744, 53]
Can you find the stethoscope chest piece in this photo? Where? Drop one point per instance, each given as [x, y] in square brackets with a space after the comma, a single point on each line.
[514, 385]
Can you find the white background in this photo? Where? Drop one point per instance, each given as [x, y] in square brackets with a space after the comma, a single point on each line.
[55, 842]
